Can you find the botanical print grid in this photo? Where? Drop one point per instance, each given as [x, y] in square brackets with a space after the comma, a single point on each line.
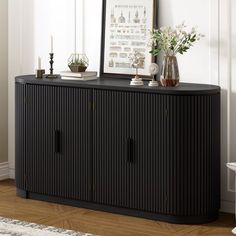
[128, 25]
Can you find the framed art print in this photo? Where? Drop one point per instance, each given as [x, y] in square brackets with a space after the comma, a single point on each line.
[126, 27]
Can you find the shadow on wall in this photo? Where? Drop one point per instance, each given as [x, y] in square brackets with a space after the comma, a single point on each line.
[232, 137]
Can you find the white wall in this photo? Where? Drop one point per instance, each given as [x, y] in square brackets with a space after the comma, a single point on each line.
[196, 65]
[3, 87]
[212, 60]
[227, 73]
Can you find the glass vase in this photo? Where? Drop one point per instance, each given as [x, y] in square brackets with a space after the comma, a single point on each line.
[170, 72]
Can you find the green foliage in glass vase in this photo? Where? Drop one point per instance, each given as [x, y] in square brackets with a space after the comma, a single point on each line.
[173, 40]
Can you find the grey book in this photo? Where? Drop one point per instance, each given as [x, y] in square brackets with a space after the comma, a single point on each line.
[78, 74]
[79, 78]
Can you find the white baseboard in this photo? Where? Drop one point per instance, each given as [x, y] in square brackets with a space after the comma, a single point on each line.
[11, 173]
[227, 207]
[4, 171]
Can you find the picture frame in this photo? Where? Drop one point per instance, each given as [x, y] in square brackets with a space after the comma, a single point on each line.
[126, 26]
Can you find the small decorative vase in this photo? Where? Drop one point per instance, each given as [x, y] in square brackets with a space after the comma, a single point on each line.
[170, 72]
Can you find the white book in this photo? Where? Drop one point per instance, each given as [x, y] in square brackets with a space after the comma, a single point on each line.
[78, 74]
[79, 78]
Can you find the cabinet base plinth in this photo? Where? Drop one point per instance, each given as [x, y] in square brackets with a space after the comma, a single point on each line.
[22, 193]
[119, 210]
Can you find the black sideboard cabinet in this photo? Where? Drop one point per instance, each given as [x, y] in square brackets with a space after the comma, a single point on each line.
[148, 152]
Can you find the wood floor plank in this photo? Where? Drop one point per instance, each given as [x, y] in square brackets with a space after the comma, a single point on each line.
[100, 223]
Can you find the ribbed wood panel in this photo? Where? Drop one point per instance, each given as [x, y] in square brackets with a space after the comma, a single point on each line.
[173, 169]
[58, 132]
[149, 152]
[20, 135]
[191, 166]
[149, 171]
[110, 136]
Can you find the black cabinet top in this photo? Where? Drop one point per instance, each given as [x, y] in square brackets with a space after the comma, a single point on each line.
[122, 85]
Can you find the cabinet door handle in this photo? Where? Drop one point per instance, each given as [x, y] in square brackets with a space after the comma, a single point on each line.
[57, 141]
[130, 150]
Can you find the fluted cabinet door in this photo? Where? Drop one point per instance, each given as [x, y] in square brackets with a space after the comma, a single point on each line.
[149, 167]
[157, 153]
[128, 157]
[110, 139]
[58, 133]
[176, 145]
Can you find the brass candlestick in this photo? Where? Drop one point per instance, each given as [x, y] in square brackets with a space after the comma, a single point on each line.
[51, 75]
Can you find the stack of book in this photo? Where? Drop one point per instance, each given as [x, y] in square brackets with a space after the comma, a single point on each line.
[84, 76]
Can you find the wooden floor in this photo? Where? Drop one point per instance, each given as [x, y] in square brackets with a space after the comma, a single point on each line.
[100, 223]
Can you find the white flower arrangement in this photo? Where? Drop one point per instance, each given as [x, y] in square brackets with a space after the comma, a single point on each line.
[173, 40]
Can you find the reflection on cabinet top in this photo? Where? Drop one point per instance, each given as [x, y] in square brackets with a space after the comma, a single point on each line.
[123, 85]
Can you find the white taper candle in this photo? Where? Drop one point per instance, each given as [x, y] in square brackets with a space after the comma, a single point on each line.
[51, 44]
[39, 63]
